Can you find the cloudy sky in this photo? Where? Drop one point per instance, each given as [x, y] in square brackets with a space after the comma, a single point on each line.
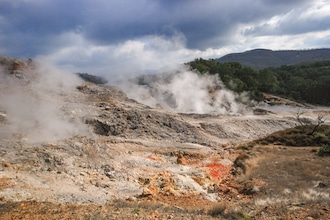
[116, 37]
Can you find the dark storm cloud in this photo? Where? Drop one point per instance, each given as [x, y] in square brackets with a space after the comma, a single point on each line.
[44, 17]
[204, 24]
[30, 27]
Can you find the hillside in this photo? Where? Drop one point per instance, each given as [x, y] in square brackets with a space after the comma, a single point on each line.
[73, 149]
[305, 83]
[263, 58]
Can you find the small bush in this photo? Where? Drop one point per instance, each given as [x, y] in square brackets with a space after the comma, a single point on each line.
[222, 210]
[324, 151]
[218, 210]
[236, 215]
[136, 211]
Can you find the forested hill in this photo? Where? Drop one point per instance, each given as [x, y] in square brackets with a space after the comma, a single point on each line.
[308, 82]
[262, 58]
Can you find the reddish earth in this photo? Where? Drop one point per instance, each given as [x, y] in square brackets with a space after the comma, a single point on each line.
[154, 158]
[218, 171]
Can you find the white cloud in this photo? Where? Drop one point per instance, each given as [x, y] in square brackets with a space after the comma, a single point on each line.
[320, 10]
[151, 53]
[299, 20]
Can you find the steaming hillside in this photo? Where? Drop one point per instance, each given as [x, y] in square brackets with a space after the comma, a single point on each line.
[185, 91]
[262, 58]
[67, 142]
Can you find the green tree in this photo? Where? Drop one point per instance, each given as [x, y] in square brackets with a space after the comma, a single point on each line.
[267, 81]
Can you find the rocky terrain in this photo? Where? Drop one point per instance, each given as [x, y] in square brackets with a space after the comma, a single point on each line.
[72, 149]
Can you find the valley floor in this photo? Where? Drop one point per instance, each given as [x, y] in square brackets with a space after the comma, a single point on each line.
[89, 152]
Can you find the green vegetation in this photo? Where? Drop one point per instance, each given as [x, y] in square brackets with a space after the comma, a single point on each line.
[299, 136]
[308, 133]
[324, 150]
[136, 211]
[222, 210]
[309, 82]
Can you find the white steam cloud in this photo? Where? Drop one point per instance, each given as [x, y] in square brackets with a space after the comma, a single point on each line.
[33, 105]
[185, 92]
[144, 55]
[182, 91]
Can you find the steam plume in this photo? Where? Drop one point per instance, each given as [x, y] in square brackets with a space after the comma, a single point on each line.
[34, 104]
[184, 91]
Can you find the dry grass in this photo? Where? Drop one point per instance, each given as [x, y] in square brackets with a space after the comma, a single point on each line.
[292, 176]
[297, 183]
[118, 209]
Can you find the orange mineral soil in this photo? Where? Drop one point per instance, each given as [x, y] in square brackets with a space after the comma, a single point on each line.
[218, 171]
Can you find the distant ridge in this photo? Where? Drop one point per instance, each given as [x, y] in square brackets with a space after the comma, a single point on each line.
[262, 58]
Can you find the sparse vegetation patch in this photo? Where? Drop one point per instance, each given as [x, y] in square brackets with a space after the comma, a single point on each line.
[299, 136]
[324, 150]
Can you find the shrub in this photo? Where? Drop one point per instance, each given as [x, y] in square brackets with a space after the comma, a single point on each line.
[218, 210]
[236, 215]
[222, 210]
[299, 136]
[324, 151]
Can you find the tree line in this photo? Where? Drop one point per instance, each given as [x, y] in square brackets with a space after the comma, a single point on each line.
[307, 82]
